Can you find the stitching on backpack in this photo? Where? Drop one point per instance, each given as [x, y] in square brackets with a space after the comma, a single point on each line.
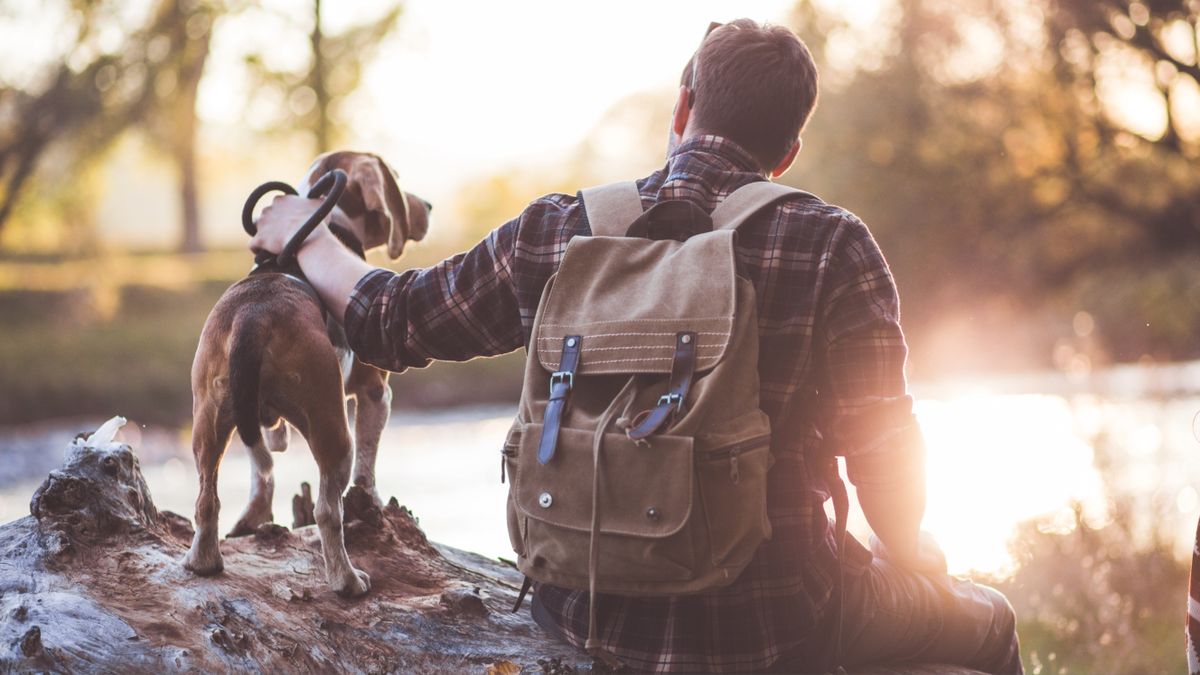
[648, 358]
[612, 349]
[601, 335]
[592, 323]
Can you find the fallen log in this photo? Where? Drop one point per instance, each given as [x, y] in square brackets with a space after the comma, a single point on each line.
[91, 581]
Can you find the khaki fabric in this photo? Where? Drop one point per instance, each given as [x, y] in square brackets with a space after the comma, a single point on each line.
[683, 510]
[612, 208]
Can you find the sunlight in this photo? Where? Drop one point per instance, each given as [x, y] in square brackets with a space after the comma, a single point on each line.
[994, 461]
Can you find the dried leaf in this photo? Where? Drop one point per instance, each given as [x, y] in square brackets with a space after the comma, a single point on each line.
[503, 668]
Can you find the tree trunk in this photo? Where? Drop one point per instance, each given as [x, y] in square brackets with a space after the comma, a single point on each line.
[191, 71]
[92, 582]
[323, 129]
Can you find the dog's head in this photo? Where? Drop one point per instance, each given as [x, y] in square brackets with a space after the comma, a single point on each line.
[378, 212]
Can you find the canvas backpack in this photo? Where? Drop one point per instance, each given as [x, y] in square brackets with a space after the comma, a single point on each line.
[638, 460]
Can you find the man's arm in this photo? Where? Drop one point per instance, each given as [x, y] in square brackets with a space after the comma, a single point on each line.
[456, 310]
[330, 267]
[873, 425]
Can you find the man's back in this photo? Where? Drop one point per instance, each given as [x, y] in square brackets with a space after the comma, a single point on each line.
[831, 362]
[828, 322]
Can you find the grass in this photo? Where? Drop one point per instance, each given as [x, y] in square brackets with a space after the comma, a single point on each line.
[117, 336]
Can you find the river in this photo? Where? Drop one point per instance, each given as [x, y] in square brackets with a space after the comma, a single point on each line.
[995, 459]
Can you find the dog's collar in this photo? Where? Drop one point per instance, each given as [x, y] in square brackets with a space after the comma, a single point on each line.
[305, 286]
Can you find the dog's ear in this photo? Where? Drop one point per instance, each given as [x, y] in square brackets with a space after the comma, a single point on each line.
[393, 216]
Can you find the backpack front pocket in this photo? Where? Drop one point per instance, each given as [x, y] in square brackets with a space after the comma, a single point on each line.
[733, 489]
[645, 535]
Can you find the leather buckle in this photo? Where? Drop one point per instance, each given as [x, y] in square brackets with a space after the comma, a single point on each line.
[563, 377]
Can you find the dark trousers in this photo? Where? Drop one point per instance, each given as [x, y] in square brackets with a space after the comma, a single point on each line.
[893, 615]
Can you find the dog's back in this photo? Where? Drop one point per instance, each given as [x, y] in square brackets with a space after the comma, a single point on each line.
[263, 347]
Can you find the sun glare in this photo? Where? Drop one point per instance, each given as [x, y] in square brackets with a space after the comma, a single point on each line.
[995, 461]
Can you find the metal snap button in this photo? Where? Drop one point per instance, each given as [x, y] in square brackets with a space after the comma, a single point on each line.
[571, 342]
[545, 500]
[652, 513]
[685, 339]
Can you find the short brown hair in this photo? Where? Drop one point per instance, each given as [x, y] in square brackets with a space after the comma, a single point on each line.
[756, 85]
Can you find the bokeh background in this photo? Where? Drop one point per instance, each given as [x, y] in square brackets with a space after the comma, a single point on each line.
[1028, 167]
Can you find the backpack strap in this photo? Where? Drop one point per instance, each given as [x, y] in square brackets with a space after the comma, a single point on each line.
[612, 208]
[561, 383]
[670, 404]
[748, 200]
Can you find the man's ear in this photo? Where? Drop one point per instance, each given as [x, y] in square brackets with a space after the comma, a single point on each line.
[683, 111]
[786, 163]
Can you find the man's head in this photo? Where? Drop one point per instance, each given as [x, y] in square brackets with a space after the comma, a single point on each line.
[756, 85]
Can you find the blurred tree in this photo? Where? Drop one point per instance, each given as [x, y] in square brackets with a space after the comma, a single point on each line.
[1005, 153]
[314, 92]
[176, 116]
[102, 87]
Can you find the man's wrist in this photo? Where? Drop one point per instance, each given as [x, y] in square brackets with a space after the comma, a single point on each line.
[320, 239]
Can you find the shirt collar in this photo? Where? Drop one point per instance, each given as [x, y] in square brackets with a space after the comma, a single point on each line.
[711, 148]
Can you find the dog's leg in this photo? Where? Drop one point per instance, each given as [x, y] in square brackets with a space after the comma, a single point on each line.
[278, 437]
[374, 399]
[210, 437]
[331, 448]
[262, 488]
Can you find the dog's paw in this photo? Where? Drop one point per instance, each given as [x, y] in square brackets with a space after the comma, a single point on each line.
[203, 565]
[353, 585]
[248, 526]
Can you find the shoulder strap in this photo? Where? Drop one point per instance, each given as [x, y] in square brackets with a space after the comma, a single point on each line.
[612, 208]
[748, 200]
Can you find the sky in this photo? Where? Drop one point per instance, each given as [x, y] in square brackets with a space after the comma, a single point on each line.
[468, 88]
[460, 90]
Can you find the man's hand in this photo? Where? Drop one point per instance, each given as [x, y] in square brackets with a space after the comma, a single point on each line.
[280, 220]
[926, 558]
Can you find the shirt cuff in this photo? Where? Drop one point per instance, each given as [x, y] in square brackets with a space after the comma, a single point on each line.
[896, 459]
[358, 309]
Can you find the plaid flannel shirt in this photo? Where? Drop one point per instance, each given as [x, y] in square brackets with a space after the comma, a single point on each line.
[832, 375]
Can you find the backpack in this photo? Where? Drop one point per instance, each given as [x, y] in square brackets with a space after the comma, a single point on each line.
[638, 460]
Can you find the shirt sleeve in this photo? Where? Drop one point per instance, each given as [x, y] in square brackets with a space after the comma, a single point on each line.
[461, 308]
[865, 391]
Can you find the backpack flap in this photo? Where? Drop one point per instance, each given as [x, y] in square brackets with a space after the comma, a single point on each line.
[560, 493]
[629, 299]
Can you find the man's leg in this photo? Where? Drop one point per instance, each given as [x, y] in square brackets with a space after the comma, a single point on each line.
[894, 615]
[541, 616]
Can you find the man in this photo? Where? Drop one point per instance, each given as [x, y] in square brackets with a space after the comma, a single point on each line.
[832, 371]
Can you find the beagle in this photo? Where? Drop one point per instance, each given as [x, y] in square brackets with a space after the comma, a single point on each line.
[269, 358]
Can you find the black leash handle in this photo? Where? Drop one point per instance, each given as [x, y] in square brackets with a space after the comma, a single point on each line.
[330, 186]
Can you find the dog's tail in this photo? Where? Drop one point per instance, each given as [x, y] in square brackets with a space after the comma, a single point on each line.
[246, 345]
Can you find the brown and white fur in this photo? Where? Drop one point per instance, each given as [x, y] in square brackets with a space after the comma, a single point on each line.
[265, 358]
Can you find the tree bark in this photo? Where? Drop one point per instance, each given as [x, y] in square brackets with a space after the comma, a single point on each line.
[317, 80]
[191, 71]
[92, 582]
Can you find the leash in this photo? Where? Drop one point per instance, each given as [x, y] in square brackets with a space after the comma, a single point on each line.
[330, 186]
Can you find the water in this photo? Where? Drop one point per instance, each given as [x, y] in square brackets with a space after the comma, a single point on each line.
[994, 460]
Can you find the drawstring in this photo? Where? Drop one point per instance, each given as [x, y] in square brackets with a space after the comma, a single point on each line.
[841, 510]
[593, 646]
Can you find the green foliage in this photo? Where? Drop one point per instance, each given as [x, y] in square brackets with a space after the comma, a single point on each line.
[120, 340]
[985, 145]
[1097, 600]
[96, 89]
[314, 93]
[63, 354]
[1105, 593]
